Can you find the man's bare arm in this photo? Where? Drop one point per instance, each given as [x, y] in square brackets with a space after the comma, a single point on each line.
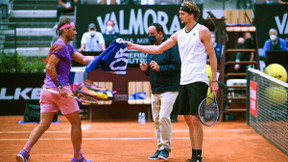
[51, 68]
[152, 49]
[78, 57]
[205, 37]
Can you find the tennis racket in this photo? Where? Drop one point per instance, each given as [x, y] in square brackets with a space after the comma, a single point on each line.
[79, 97]
[208, 111]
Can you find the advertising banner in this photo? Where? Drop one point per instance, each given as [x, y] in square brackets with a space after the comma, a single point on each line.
[131, 21]
[271, 16]
[18, 89]
[253, 98]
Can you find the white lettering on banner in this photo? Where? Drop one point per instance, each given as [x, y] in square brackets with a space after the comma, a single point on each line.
[3, 95]
[121, 18]
[138, 25]
[142, 41]
[114, 19]
[137, 58]
[138, 21]
[35, 94]
[253, 105]
[281, 25]
[253, 94]
[101, 23]
[23, 93]
[163, 20]
[175, 26]
[146, 17]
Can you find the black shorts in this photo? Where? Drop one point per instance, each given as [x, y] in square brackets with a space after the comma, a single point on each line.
[190, 96]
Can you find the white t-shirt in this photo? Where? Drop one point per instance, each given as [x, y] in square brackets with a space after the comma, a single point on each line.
[193, 56]
[92, 41]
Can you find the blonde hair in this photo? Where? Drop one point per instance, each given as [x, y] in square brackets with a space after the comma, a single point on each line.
[194, 9]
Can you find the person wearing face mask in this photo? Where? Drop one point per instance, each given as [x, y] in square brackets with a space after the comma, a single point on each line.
[275, 43]
[164, 75]
[245, 42]
[92, 40]
[271, 1]
[110, 33]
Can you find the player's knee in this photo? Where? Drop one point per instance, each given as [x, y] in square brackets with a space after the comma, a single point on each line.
[43, 126]
[194, 118]
[188, 121]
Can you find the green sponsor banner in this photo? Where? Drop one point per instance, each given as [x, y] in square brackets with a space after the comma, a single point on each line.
[271, 16]
[131, 21]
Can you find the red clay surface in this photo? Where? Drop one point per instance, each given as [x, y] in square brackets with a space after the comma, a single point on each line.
[133, 142]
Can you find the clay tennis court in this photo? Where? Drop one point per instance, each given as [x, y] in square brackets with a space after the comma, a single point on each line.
[133, 142]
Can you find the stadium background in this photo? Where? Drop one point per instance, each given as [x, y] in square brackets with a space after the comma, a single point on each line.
[15, 93]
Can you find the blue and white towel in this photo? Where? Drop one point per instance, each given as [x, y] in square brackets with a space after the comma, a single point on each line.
[114, 59]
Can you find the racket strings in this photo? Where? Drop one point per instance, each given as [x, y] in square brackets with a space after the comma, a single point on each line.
[86, 99]
[208, 111]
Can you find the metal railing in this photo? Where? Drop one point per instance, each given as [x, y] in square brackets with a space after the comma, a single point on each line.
[8, 38]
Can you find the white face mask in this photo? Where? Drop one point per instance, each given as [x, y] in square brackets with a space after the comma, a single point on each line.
[109, 28]
[269, 2]
[92, 33]
[273, 37]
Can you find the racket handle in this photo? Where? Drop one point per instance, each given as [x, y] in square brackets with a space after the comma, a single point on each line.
[50, 90]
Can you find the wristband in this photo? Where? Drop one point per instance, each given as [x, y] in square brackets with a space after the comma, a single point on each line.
[60, 86]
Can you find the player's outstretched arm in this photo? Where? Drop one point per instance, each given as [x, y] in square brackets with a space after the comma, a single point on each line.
[153, 49]
[78, 57]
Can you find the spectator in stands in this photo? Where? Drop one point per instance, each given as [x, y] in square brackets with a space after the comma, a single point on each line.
[110, 33]
[245, 42]
[283, 1]
[274, 43]
[217, 48]
[109, 2]
[92, 40]
[65, 6]
[271, 1]
[164, 74]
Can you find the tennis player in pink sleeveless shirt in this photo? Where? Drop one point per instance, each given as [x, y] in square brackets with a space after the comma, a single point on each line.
[58, 65]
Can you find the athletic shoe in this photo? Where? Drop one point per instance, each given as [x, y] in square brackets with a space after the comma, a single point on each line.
[155, 156]
[22, 156]
[164, 154]
[82, 159]
[191, 160]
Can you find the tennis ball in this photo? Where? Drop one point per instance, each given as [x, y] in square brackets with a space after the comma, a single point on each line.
[276, 94]
[211, 95]
[277, 71]
[209, 73]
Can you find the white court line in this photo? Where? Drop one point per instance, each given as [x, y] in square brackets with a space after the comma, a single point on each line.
[99, 139]
[100, 131]
[125, 131]
[24, 139]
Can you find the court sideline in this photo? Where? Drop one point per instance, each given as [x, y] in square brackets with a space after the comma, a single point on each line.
[133, 142]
